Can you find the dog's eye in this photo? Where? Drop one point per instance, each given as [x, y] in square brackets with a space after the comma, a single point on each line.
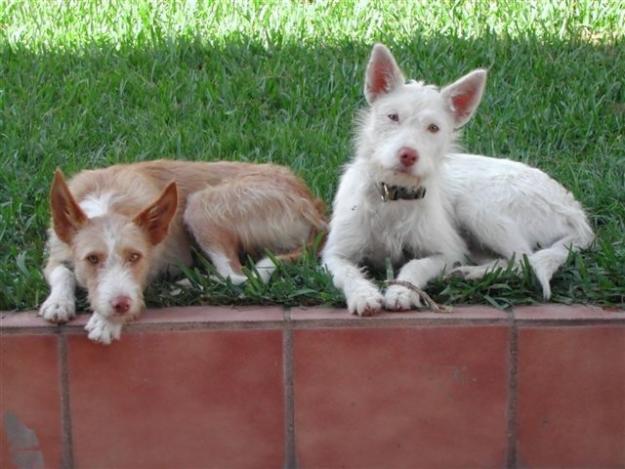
[394, 117]
[134, 257]
[433, 128]
[93, 259]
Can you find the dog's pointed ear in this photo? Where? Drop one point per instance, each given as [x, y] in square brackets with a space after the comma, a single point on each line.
[383, 75]
[155, 219]
[464, 95]
[67, 216]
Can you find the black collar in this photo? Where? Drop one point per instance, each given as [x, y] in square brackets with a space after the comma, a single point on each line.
[400, 193]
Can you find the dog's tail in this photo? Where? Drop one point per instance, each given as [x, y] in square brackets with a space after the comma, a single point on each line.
[316, 240]
[546, 261]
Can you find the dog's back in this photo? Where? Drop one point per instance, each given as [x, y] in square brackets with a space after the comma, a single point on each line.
[127, 188]
[515, 210]
[483, 189]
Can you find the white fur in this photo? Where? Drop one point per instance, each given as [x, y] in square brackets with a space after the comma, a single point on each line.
[114, 278]
[60, 304]
[96, 205]
[506, 207]
[115, 281]
[265, 268]
[103, 330]
[223, 267]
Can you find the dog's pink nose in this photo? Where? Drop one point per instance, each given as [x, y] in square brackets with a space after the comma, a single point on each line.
[408, 156]
[121, 304]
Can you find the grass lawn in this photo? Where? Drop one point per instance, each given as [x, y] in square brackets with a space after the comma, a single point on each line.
[85, 85]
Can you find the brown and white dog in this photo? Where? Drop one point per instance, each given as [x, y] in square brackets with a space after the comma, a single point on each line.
[115, 229]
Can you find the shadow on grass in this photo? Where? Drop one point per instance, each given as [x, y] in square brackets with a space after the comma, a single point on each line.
[557, 105]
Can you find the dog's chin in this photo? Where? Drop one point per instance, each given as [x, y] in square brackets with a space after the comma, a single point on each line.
[399, 177]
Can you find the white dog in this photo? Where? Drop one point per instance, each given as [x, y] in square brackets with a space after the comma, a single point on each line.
[408, 197]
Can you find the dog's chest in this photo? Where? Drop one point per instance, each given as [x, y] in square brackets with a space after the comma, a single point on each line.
[397, 230]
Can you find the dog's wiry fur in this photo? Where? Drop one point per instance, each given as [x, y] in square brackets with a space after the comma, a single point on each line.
[472, 204]
[115, 229]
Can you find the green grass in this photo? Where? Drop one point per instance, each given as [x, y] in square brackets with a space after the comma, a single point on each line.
[85, 85]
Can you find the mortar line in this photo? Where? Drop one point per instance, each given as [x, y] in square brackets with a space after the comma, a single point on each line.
[511, 406]
[290, 457]
[67, 461]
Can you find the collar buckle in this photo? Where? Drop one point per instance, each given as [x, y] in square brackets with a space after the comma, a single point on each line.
[384, 192]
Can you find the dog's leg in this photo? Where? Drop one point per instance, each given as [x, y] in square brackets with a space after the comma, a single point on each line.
[502, 238]
[476, 272]
[362, 296]
[60, 305]
[103, 330]
[228, 265]
[418, 272]
[254, 214]
[344, 249]
[226, 262]
[219, 243]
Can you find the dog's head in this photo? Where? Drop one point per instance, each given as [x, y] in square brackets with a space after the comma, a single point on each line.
[112, 252]
[410, 126]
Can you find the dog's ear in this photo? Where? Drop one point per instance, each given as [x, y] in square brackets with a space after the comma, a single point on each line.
[67, 216]
[155, 219]
[464, 95]
[383, 75]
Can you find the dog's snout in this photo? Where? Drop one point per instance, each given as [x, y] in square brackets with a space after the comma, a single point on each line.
[408, 156]
[121, 304]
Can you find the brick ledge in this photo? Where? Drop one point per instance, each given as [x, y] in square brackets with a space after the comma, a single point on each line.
[263, 317]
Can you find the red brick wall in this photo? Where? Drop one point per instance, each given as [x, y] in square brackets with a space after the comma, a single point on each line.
[539, 386]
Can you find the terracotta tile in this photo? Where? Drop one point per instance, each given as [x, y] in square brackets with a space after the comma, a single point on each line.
[178, 399]
[219, 314]
[30, 409]
[401, 397]
[571, 396]
[199, 314]
[566, 312]
[26, 319]
[322, 313]
[458, 313]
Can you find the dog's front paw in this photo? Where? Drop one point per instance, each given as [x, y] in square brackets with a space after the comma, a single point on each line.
[103, 331]
[400, 298]
[58, 309]
[365, 302]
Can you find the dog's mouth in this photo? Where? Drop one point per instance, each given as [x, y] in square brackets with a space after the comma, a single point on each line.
[403, 169]
[123, 318]
[127, 315]
[400, 177]
[121, 315]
